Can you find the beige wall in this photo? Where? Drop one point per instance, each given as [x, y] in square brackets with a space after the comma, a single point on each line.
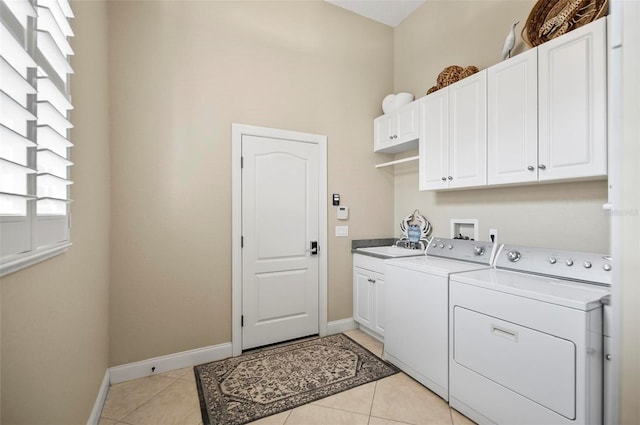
[55, 314]
[563, 216]
[180, 74]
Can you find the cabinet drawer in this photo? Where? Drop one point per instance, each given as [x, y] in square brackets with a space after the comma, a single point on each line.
[536, 365]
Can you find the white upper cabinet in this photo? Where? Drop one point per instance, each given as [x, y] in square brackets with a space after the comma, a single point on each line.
[433, 160]
[453, 141]
[397, 131]
[572, 104]
[512, 120]
[468, 131]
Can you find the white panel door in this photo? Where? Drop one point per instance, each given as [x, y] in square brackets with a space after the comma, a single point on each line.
[434, 140]
[280, 208]
[468, 131]
[573, 104]
[512, 120]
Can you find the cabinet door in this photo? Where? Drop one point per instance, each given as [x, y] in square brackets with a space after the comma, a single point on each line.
[512, 120]
[383, 132]
[378, 303]
[362, 297]
[572, 112]
[434, 140]
[468, 131]
[407, 123]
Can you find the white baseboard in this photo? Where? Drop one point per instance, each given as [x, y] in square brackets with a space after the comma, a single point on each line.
[94, 419]
[169, 362]
[339, 326]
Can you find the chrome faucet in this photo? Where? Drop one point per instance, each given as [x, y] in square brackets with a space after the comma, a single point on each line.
[406, 243]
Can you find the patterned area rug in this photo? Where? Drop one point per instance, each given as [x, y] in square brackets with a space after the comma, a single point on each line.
[265, 382]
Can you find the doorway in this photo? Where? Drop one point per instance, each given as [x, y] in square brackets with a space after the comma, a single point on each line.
[279, 276]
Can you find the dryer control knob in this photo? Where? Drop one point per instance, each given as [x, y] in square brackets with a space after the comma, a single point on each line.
[587, 264]
[569, 262]
[552, 260]
[478, 250]
[450, 246]
[441, 245]
[606, 267]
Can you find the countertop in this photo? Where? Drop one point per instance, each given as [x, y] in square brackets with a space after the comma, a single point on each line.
[368, 243]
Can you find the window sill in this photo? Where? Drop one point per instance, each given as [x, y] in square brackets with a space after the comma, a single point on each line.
[32, 258]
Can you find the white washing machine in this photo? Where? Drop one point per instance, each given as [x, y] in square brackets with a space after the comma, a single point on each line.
[416, 300]
[526, 338]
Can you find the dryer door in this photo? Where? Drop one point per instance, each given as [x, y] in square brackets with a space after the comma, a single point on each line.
[536, 365]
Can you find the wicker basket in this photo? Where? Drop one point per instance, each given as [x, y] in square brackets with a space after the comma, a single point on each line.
[551, 18]
[468, 71]
[449, 75]
[452, 74]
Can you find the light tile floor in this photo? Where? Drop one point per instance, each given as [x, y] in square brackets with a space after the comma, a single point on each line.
[172, 398]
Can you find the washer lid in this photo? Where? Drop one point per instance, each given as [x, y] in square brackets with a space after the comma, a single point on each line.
[580, 296]
[435, 266]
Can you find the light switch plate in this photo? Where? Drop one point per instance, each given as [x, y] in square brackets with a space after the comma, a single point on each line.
[342, 230]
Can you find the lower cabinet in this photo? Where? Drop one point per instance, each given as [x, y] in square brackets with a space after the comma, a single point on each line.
[368, 294]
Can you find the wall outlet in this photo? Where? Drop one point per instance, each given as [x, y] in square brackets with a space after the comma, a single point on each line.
[493, 235]
[342, 230]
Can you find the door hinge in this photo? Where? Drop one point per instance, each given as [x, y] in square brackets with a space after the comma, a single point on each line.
[241, 241]
[242, 321]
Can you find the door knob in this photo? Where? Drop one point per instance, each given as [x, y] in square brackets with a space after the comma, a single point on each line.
[314, 248]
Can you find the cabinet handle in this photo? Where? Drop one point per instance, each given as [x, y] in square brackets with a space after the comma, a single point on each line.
[390, 137]
[395, 136]
[371, 280]
[530, 168]
[444, 179]
[542, 167]
[450, 178]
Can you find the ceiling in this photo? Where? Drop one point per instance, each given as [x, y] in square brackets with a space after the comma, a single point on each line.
[388, 12]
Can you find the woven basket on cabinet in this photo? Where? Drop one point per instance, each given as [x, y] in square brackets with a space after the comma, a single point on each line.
[551, 18]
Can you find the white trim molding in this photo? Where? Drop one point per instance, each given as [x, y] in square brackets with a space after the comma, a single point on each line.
[237, 131]
[157, 365]
[94, 419]
[32, 258]
[339, 326]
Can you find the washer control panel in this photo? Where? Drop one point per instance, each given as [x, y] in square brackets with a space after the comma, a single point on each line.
[575, 265]
[462, 249]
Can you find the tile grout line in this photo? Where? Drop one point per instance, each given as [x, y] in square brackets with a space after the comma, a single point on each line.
[287, 418]
[144, 403]
[375, 388]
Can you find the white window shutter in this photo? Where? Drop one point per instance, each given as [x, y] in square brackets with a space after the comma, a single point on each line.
[34, 128]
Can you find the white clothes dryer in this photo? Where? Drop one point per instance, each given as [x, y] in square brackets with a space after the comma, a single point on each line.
[526, 338]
